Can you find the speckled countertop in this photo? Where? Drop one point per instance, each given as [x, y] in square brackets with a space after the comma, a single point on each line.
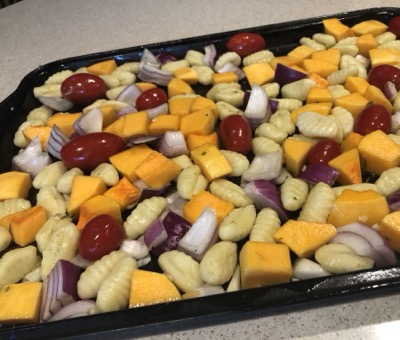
[35, 32]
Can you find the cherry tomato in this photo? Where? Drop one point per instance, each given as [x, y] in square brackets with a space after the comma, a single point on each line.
[394, 26]
[245, 43]
[86, 152]
[100, 236]
[151, 98]
[323, 151]
[236, 134]
[83, 88]
[373, 117]
[381, 74]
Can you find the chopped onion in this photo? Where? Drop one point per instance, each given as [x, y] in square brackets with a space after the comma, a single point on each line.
[165, 57]
[149, 58]
[173, 144]
[32, 159]
[304, 269]
[155, 234]
[80, 262]
[273, 105]
[136, 248]
[390, 91]
[265, 194]
[257, 110]
[158, 110]
[142, 140]
[210, 55]
[230, 67]
[129, 94]
[393, 201]
[89, 122]
[56, 141]
[125, 111]
[319, 172]
[175, 203]
[150, 73]
[267, 166]
[285, 74]
[59, 104]
[73, 310]
[201, 235]
[147, 192]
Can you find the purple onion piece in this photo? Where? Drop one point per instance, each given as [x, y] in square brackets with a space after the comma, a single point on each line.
[165, 57]
[158, 110]
[173, 144]
[150, 73]
[390, 90]
[148, 57]
[89, 122]
[229, 67]
[285, 75]
[155, 234]
[59, 104]
[73, 310]
[56, 141]
[210, 55]
[267, 166]
[265, 194]
[147, 192]
[129, 95]
[273, 104]
[319, 172]
[148, 139]
[257, 110]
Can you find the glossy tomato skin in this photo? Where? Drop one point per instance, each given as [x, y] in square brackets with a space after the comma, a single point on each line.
[88, 151]
[245, 43]
[381, 74]
[236, 134]
[151, 98]
[323, 151]
[373, 117]
[394, 26]
[83, 88]
[100, 236]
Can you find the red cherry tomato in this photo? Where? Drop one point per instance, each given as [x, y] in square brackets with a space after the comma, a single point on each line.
[86, 152]
[100, 236]
[236, 134]
[83, 88]
[373, 117]
[245, 43]
[323, 151]
[394, 26]
[381, 74]
[151, 98]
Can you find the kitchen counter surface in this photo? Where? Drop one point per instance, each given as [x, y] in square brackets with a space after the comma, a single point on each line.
[35, 32]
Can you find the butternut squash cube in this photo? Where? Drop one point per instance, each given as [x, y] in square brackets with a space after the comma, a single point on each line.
[96, 206]
[102, 67]
[195, 206]
[187, 74]
[301, 52]
[20, 303]
[295, 153]
[379, 152]
[356, 84]
[349, 167]
[211, 161]
[335, 27]
[124, 192]
[376, 96]
[259, 73]
[224, 77]
[144, 85]
[157, 170]
[365, 43]
[331, 55]
[194, 141]
[366, 206]
[64, 121]
[354, 103]
[199, 122]
[180, 106]
[149, 288]
[319, 81]
[374, 27]
[24, 225]
[286, 60]
[201, 103]
[304, 237]
[178, 86]
[83, 188]
[351, 141]
[381, 56]
[109, 114]
[164, 123]
[14, 184]
[128, 160]
[389, 227]
[130, 125]
[321, 67]
[321, 108]
[319, 95]
[42, 132]
[264, 263]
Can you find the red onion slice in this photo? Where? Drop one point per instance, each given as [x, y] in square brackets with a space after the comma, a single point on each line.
[155, 234]
[257, 110]
[56, 103]
[148, 57]
[73, 310]
[267, 166]
[285, 75]
[89, 122]
[173, 144]
[152, 74]
[390, 90]
[210, 55]
[158, 110]
[165, 57]
[319, 172]
[129, 94]
[230, 67]
[56, 141]
[393, 201]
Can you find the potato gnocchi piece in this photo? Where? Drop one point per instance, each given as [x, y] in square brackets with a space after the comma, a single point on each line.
[272, 89]
[318, 204]
[266, 223]
[263, 56]
[263, 145]
[298, 89]
[281, 119]
[272, 132]
[344, 118]
[49, 175]
[348, 60]
[94, 275]
[111, 81]
[175, 65]
[338, 258]
[294, 192]
[238, 224]
[227, 92]
[204, 74]
[389, 181]
[338, 91]
[227, 57]
[283, 176]
[396, 102]
[115, 104]
[327, 40]
[234, 283]
[5, 239]
[395, 137]
[340, 76]
[125, 77]
[181, 269]
[64, 183]
[19, 138]
[183, 161]
[195, 58]
[130, 66]
[58, 77]
[42, 113]
[347, 47]
[313, 124]
[114, 92]
[51, 200]
[49, 90]
[225, 109]
[107, 172]
[143, 215]
[219, 263]
[394, 45]
[289, 104]
[340, 134]
[13, 205]
[191, 181]
[239, 163]
[385, 37]
[311, 43]
[114, 292]
[230, 192]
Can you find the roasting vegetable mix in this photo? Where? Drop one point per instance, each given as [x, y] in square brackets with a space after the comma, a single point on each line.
[169, 178]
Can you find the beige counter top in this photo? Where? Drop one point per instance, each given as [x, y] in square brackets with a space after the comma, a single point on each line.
[35, 32]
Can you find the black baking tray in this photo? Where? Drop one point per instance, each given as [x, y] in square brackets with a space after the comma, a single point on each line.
[222, 308]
